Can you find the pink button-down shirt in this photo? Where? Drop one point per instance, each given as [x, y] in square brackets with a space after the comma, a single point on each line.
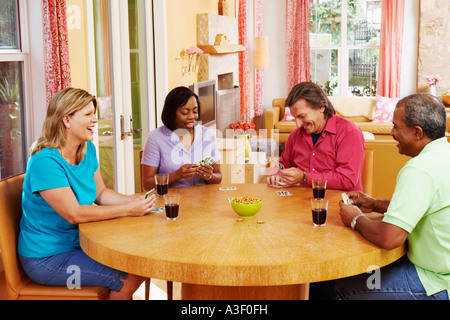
[338, 155]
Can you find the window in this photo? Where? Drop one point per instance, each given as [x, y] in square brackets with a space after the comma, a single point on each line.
[344, 42]
[12, 103]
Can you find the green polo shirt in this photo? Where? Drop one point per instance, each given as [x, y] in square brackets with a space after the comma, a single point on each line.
[421, 206]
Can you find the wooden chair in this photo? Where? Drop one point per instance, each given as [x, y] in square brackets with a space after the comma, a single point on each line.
[367, 172]
[147, 281]
[18, 285]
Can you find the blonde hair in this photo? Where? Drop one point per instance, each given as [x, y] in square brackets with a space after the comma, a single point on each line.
[65, 102]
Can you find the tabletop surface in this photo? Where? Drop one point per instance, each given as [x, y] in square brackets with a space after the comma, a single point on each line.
[208, 245]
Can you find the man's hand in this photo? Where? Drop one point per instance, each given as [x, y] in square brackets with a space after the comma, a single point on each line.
[291, 176]
[363, 201]
[348, 212]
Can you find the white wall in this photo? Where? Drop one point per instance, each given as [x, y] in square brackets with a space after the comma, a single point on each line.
[274, 26]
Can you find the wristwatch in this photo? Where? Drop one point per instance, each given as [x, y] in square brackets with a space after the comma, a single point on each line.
[305, 177]
[353, 223]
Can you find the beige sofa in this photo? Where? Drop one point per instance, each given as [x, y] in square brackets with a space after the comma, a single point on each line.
[357, 109]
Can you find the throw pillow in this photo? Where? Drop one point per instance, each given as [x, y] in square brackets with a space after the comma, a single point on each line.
[384, 108]
[287, 115]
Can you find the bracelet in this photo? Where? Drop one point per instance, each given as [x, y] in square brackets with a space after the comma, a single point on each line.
[305, 177]
[210, 177]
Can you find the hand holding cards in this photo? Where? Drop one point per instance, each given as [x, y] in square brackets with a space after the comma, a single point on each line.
[149, 193]
[205, 168]
[208, 160]
[345, 198]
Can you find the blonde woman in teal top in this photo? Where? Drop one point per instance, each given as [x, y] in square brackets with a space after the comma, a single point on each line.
[419, 211]
[61, 186]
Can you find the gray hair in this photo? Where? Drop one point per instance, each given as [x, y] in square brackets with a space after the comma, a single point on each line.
[426, 111]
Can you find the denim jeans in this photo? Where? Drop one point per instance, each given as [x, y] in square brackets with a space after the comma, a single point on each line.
[397, 281]
[72, 268]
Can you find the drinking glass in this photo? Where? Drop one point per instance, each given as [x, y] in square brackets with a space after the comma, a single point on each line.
[319, 209]
[162, 183]
[319, 186]
[172, 205]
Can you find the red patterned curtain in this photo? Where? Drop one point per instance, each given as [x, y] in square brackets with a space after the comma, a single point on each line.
[244, 80]
[56, 46]
[258, 72]
[390, 48]
[297, 42]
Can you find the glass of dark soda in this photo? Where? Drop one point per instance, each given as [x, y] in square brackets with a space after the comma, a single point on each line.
[319, 186]
[162, 183]
[172, 205]
[319, 209]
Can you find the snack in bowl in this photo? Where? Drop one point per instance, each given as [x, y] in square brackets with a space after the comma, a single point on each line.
[246, 207]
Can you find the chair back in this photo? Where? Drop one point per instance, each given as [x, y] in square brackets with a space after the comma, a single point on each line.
[367, 172]
[141, 170]
[10, 214]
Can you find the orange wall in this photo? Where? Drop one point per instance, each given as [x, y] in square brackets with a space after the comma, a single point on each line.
[182, 34]
[76, 23]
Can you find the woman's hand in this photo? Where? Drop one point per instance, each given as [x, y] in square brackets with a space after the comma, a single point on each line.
[140, 206]
[205, 171]
[187, 171]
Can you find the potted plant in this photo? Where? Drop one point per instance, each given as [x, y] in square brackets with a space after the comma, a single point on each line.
[9, 131]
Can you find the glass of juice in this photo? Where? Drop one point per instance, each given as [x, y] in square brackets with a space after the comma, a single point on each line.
[162, 183]
[319, 209]
[172, 205]
[319, 186]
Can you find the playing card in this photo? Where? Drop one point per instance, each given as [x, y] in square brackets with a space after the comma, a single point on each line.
[227, 188]
[278, 164]
[149, 193]
[284, 193]
[345, 198]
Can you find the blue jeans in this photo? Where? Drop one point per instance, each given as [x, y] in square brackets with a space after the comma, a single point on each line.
[398, 281]
[73, 269]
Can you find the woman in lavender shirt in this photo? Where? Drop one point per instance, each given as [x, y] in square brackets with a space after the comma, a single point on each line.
[175, 147]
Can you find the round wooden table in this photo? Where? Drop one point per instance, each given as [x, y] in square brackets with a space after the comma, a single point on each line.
[274, 255]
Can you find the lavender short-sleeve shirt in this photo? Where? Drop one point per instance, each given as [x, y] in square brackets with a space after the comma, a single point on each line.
[164, 150]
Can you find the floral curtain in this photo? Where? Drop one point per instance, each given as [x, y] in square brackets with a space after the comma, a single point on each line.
[258, 72]
[297, 42]
[244, 81]
[56, 46]
[390, 48]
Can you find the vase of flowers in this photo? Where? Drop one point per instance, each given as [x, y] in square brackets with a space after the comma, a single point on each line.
[432, 81]
[191, 59]
[242, 129]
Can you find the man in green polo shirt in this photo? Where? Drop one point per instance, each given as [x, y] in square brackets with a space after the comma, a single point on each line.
[419, 210]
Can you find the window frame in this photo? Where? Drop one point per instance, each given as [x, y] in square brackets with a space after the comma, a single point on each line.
[31, 54]
[343, 51]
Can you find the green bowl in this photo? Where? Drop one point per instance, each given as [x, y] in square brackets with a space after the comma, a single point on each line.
[246, 210]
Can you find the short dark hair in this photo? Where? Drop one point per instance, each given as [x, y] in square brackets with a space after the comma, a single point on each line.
[313, 94]
[175, 99]
[426, 111]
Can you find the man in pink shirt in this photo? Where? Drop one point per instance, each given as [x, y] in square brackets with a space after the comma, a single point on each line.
[324, 145]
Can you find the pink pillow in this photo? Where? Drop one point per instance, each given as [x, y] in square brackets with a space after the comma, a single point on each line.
[384, 108]
[287, 115]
